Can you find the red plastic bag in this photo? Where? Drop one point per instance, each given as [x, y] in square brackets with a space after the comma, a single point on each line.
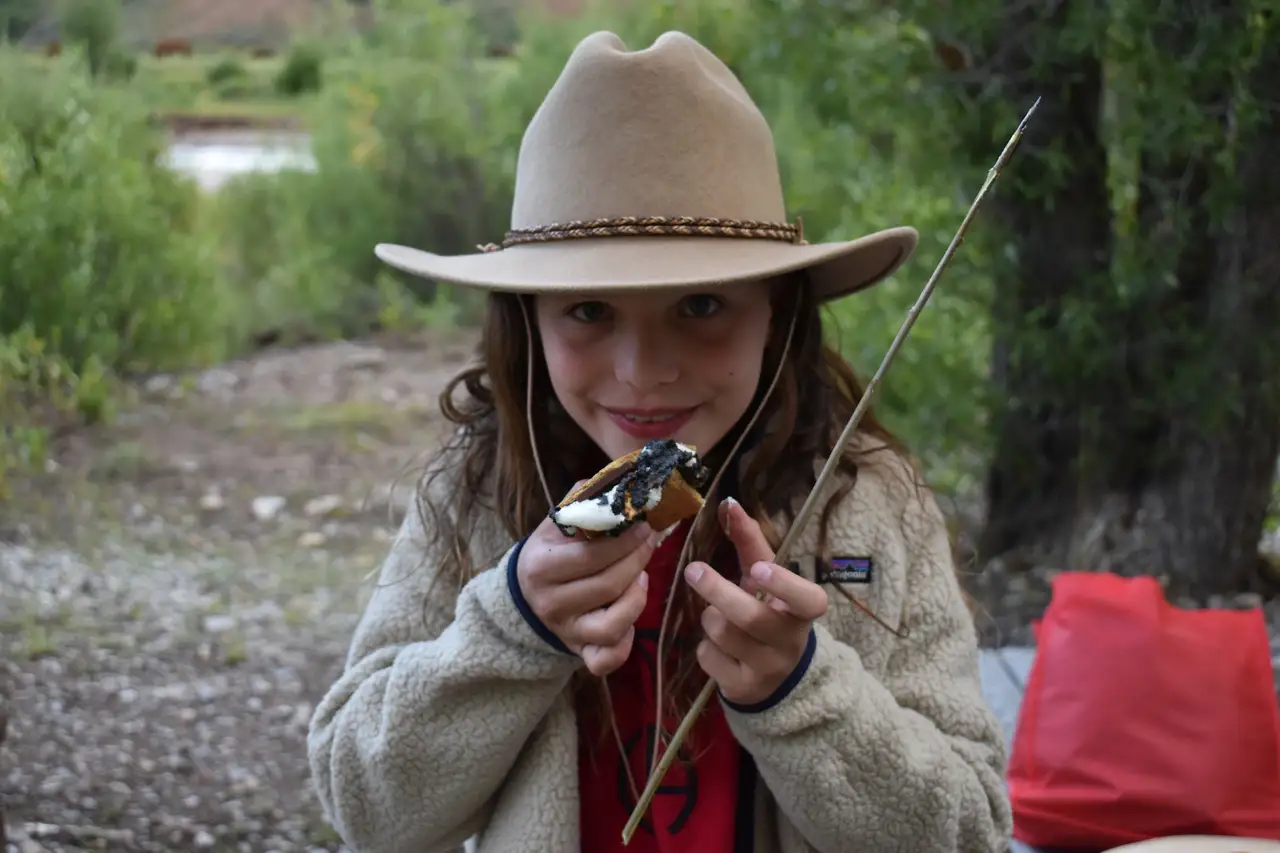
[1142, 720]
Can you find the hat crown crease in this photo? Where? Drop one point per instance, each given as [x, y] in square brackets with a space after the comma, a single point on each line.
[664, 131]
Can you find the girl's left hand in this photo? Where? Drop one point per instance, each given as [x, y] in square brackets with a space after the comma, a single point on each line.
[752, 645]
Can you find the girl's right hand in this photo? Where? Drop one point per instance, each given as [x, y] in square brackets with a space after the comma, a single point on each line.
[589, 593]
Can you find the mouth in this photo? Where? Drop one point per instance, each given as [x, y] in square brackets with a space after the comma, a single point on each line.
[649, 416]
[649, 423]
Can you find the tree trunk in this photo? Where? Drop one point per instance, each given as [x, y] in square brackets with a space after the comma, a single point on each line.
[1060, 224]
[1154, 450]
[1183, 493]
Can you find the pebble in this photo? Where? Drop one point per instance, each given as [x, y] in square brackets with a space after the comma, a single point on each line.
[312, 539]
[267, 507]
[323, 505]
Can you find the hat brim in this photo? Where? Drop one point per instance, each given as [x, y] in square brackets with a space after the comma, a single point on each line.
[635, 263]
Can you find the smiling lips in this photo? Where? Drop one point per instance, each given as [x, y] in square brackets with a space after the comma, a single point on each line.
[650, 423]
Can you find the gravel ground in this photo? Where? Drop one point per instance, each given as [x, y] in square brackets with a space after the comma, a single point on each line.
[179, 590]
[158, 707]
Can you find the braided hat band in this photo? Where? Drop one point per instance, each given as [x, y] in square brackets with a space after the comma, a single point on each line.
[653, 226]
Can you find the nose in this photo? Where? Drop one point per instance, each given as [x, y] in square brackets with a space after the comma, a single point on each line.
[644, 359]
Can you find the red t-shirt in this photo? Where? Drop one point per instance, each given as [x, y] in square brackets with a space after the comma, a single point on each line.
[694, 809]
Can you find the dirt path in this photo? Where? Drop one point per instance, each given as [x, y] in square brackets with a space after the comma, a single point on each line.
[179, 591]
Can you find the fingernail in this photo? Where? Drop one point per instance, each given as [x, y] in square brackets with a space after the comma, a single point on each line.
[641, 530]
[643, 580]
[762, 571]
[693, 572]
[726, 515]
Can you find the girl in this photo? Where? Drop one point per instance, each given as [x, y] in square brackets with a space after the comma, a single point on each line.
[515, 686]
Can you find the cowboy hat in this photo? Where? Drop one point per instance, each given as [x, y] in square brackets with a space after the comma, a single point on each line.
[652, 168]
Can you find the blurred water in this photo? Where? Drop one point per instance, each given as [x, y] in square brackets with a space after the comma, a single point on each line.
[213, 157]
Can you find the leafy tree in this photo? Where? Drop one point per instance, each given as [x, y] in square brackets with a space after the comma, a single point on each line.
[1136, 294]
[94, 25]
[16, 17]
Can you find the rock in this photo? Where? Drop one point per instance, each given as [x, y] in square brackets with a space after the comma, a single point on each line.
[204, 840]
[1247, 601]
[219, 623]
[312, 539]
[1270, 544]
[267, 507]
[323, 505]
[218, 380]
[212, 501]
[365, 358]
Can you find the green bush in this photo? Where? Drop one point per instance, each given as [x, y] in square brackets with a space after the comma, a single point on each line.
[228, 69]
[284, 281]
[302, 72]
[104, 268]
[121, 66]
[40, 390]
[100, 251]
[405, 152]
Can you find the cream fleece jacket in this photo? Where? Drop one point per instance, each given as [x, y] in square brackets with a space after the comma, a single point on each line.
[452, 718]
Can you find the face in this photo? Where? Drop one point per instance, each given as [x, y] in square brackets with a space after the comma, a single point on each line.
[631, 367]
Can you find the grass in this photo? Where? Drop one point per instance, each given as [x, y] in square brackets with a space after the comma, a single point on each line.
[350, 422]
[178, 87]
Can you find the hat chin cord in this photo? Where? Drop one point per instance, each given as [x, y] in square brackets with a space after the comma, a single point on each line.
[685, 551]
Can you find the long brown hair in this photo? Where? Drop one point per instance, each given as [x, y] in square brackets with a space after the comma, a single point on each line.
[493, 469]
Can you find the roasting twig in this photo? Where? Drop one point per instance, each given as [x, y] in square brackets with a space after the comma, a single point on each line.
[673, 748]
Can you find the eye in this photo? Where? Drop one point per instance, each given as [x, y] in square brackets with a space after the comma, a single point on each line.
[588, 312]
[701, 305]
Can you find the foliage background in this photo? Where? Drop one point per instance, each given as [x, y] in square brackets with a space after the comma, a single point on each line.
[113, 265]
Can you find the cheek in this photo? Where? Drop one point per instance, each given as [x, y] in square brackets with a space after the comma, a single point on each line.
[733, 365]
[570, 371]
[743, 374]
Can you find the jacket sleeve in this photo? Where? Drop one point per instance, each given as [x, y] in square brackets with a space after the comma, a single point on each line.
[912, 760]
[440, 691]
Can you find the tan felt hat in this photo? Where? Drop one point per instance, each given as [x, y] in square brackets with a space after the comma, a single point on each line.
[652, 168]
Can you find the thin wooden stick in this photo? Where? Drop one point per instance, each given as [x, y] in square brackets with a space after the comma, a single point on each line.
[673, 748]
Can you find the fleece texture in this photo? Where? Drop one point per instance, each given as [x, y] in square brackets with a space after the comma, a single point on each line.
[453, 717]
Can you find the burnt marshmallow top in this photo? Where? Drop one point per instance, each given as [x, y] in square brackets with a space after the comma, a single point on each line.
[641, 480]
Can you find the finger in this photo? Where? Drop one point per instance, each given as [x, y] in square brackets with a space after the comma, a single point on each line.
[573, 598]
[561, 560]
[792, 593]
[606, 626]
[745, 533]
[740, 607]
[602, 660]
[719, 666]
[738, 644]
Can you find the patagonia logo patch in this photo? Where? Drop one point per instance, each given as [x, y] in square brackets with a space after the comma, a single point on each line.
[845, 570]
